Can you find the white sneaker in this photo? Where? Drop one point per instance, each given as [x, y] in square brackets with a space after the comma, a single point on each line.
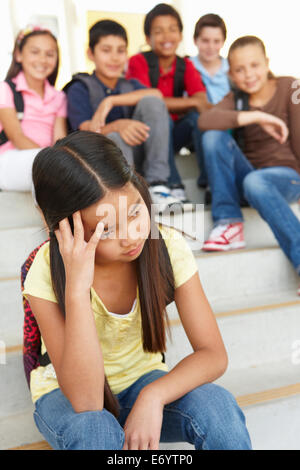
[179, 193]
[162, 198]
[225, 237]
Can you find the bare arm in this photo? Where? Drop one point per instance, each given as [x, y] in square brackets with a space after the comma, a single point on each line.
[13, 130]
[209, 359]
[60, 128]
[123, 99]
[72, 343]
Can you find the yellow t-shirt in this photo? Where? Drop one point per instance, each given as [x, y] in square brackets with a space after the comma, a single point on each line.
[119, 335]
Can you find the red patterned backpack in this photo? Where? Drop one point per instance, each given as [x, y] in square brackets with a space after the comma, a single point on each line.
[32, 357]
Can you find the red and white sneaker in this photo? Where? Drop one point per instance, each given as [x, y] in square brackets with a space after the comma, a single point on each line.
[225, 237]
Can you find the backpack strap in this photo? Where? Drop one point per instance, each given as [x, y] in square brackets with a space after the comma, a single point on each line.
[153, 65]
[32, 356]
[179, 77]
[241, 101]
[19, 105]
[96, 90]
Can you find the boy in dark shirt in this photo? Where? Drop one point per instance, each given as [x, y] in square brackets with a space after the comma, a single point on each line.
[163, 31]
[133, 116]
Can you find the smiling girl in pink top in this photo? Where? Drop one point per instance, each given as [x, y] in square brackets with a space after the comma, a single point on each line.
[33, 71]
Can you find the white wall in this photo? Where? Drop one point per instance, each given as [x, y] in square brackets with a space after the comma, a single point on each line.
[275, 22]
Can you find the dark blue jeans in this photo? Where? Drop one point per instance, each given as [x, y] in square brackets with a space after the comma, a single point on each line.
[184, 132]
[269, 190]
[207, 417]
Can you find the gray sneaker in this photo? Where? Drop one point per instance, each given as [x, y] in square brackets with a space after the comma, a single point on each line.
[162, 198]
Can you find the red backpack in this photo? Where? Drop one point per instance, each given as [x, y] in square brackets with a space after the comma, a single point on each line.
[32, 357]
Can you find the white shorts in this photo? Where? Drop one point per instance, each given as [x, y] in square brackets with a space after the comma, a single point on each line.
[16, 169]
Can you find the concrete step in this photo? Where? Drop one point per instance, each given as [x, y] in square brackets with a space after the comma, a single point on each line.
[198, 224]
[15, 246]
[12, 313]
[252, 335]
[245, 272]
[18, 210]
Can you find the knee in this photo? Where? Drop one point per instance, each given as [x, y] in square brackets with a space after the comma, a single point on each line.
[93, 430]
[151, 104]
[254, 184]
[225, 421]
[212, 140]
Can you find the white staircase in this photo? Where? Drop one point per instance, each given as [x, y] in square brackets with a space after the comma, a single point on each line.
[252, 293]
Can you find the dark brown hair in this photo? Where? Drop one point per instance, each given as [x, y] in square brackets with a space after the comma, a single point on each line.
[74, 174]
[105, 28]
[247, 41]
[16, 67]
[211, 20]
[162, 9]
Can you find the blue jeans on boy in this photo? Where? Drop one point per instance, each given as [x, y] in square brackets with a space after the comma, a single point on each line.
[269, 190]
[208, 417]
[182, 133]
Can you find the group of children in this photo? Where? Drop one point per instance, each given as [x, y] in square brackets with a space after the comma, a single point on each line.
[99, 287]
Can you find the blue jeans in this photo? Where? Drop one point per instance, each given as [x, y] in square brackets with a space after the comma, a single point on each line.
[269, 190]
[208, 417]
[184, 132]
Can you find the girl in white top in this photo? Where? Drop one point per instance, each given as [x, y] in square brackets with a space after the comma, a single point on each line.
[33, 71]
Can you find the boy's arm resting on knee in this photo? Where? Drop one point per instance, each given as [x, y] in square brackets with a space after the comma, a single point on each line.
[74, 350]
[13, 130]
[123, 99]
[209, 359]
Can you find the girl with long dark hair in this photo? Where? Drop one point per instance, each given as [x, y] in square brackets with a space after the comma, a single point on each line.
[99, 291]
[32, 73]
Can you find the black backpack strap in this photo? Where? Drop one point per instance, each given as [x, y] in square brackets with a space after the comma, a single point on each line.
[179, 77]
[153, 65]
[19, 105]
[241, 103]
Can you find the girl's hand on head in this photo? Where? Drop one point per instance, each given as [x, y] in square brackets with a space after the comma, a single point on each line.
[274, 126]
[143, 425]
[77, 254]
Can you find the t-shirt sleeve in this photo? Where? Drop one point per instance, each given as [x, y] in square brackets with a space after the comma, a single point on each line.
[181, 256]
[6, 96]
[38, 280]
[79, 107]
[138, 69]
[192, 79]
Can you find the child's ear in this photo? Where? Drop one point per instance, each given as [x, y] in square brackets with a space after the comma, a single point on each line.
[148, 41]
[90, 54]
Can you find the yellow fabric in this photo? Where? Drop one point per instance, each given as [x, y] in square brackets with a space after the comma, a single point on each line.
[120, 336]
